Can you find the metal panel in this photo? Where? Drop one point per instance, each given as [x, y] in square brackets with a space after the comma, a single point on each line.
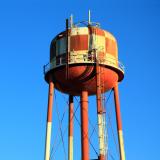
[79, 31]
[79, 42]
[111, 47]
[61, 46]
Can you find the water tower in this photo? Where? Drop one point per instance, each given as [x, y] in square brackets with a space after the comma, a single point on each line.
[84, 62]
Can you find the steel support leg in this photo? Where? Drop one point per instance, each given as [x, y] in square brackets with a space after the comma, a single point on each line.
[84, 126]
[119, 123]
[49, 119]
[70, 130]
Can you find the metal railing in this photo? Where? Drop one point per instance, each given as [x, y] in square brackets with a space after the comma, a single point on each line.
[84, 58]
[121, 66]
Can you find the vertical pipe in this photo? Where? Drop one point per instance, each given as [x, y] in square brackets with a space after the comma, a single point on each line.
[98, 89]
[49, 119]
[84, 126]
[70, 131]
[67, 53]
[119, 122]
[100, 115]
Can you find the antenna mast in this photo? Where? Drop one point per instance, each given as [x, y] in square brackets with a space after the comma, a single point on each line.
[89, 17]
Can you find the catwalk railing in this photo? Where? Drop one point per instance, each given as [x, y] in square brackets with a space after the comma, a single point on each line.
[85, 58]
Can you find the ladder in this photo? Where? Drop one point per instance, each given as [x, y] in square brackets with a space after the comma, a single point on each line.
[101, 109]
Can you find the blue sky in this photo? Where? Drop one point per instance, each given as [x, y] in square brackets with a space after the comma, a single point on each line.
[26, 29]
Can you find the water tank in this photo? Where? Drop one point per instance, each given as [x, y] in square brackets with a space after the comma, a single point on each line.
[77, 52]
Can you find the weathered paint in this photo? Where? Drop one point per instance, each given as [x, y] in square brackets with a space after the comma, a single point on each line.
[79, 30]
[102, 146]
[97, 31]
[82, 42]
[100, 111]
[111, 47]
[85, 38]
[79, 42]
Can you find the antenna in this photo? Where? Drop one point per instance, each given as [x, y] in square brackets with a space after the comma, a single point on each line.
[71, 20]
[89, 17]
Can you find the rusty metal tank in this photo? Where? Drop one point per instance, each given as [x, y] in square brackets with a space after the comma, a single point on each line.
[77, 52]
